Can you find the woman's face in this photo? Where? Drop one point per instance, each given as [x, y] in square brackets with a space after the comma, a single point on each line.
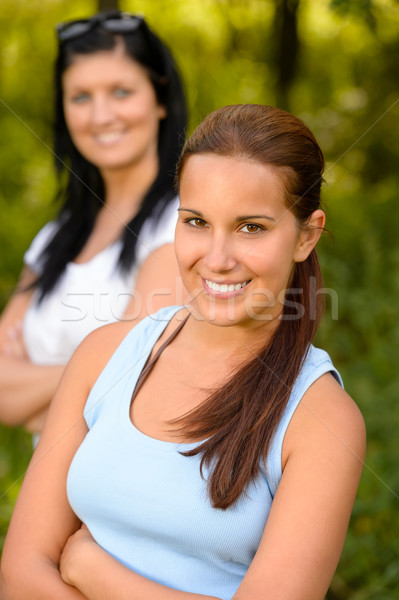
[236, 242]
[111, 109]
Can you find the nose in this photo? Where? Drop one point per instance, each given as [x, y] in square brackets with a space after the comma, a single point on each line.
[220, 256]
[102, 112]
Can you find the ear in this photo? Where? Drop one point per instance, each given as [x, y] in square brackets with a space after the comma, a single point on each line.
[309, 235]
[162, 112]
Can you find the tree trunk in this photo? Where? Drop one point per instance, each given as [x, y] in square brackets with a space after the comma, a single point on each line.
[104, 5]
[287, 47]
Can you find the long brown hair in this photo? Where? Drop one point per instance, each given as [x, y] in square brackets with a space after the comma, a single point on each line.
[239, 419]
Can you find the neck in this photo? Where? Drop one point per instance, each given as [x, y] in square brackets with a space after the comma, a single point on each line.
[127, 186]
[240, 342]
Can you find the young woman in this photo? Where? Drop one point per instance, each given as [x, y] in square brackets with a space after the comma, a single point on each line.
[210, 452]
[120, 118]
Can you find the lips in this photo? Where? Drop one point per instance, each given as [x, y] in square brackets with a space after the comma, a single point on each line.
[223, 288]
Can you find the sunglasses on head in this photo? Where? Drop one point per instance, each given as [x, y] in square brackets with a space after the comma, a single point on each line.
[113, 22]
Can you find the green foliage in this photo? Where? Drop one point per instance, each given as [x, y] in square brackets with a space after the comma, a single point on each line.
[15, 451]
[360, 266]
[346, 91]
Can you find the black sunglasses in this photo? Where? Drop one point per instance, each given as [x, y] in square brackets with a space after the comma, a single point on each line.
[113, 21]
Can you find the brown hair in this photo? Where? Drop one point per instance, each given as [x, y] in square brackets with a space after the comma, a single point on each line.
[239, 419]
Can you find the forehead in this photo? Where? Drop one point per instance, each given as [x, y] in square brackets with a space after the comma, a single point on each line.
[102, 65]
[238, 179]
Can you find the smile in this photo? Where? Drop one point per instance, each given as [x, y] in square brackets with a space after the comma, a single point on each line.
[225, 287]
[108, 138]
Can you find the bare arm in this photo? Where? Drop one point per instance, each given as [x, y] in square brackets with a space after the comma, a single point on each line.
[302, 542]
[43, 520]
[323, 455]
[25, 388]
[99, 576]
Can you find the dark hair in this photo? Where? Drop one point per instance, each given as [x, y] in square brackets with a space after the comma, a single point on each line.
[240, 418]
[81, 187]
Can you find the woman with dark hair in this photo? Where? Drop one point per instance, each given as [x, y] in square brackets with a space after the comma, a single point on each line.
[120, 118]
[210, 451]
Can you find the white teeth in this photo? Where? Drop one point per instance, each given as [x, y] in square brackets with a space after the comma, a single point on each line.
[223, 288]
[108, 137]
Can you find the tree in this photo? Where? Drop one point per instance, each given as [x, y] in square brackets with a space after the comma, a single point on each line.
[286, 48]
[104, 5]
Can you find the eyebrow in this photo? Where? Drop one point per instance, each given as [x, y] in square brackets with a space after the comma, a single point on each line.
[238, 219]
[195, 212]
[249, 217]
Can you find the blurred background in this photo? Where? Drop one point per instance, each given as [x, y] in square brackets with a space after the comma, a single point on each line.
[335, 64]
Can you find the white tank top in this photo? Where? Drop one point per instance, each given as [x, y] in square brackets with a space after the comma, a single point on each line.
[87, 295]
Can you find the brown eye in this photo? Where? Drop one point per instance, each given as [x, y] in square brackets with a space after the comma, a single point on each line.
[197, 222]
[251, 228]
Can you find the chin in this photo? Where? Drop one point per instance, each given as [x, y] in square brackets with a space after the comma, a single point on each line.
[220, 315]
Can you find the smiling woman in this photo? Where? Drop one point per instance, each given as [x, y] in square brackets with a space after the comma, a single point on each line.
[210, 453]
[119, 120]
[224, 255]
[112, 112]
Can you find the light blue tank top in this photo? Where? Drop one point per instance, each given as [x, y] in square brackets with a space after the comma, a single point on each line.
[146, 504]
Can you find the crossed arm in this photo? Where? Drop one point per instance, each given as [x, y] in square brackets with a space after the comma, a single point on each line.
[302, 542]
[48, 556]
[43, 520]
[25, 388]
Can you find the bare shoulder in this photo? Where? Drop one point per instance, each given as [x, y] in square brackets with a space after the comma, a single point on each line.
[327, 417]
[83, 369]
[98, 347]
